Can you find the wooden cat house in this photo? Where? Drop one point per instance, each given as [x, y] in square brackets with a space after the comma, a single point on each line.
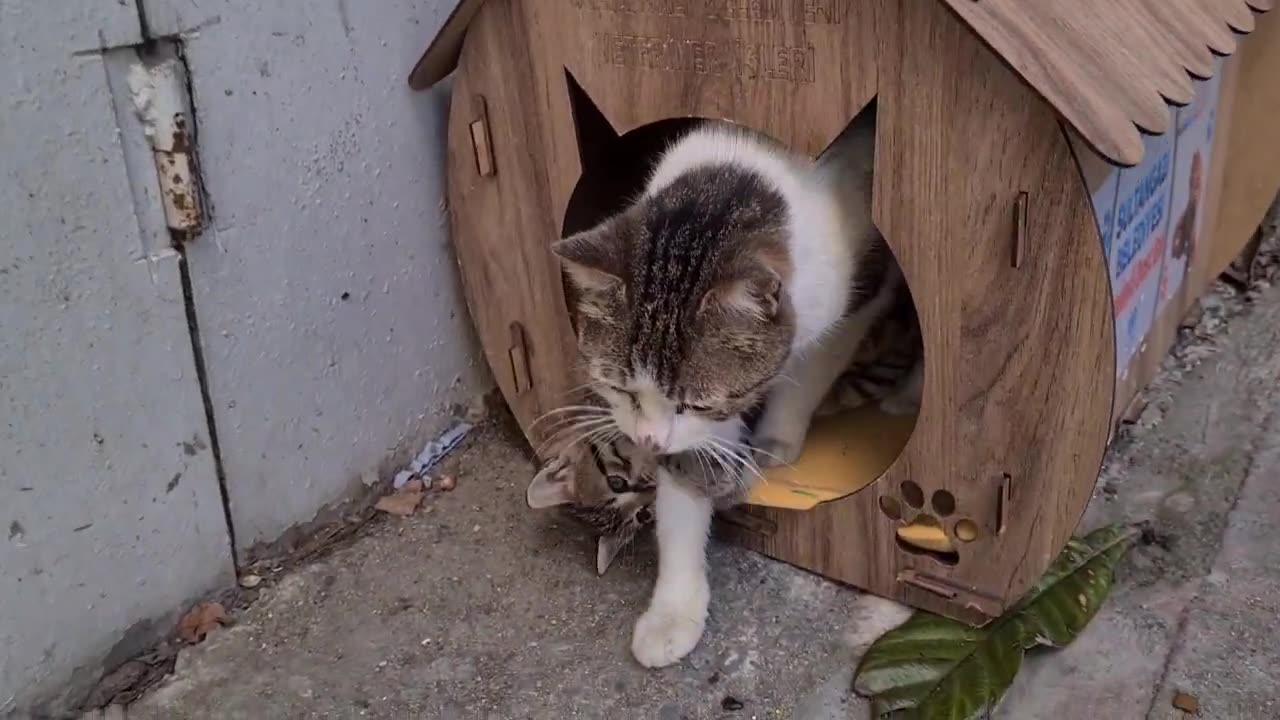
[982, 109]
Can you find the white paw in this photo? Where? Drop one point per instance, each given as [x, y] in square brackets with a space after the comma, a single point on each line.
[664, 635]
[776, 452]
[779, 437]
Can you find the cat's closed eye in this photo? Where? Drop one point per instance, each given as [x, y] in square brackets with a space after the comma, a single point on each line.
[622, 391]
[693, 407]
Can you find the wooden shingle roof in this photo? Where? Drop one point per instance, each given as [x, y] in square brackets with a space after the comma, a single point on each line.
[1111, 68]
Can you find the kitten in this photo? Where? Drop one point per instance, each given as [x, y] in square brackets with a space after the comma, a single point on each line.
[739, 265]
[616, 502]
[888, 366]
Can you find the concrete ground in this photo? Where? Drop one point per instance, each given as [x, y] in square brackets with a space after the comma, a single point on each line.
[479, 608]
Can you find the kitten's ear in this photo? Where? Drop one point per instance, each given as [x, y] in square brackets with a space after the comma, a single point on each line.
[757, 293]
[606, 550]
[593, 258]
[553, 485]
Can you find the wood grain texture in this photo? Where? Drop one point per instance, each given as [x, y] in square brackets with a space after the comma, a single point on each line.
[1253, 150]
[1110, 67]
[442, 55]
[798, 75]
[1014, 419]
[1018, 361]
[502, 224]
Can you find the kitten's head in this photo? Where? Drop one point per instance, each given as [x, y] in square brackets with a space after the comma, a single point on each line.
[616, 500]
[680, 308]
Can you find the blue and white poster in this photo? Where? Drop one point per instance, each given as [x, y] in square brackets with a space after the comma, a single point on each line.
[1190, 175]
[1138, 244]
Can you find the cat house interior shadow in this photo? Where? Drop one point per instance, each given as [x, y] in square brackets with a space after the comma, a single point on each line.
[854, 440]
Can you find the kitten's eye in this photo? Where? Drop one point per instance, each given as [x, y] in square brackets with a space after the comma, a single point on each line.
[644, 516]
[617, 483]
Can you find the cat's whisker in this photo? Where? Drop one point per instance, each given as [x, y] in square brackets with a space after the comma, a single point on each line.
[584, 426]
[567, 441]
[741, 455]
[584, 386]
[750, 452]
[583, 410]
[562, 422]
[587, 437]
[578, 424]
[702, 460]
[602, 436]
[729, 462]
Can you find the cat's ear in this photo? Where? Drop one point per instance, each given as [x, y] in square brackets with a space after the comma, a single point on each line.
[593, 258]
[553, 485]
[757, 293]
[607, 549]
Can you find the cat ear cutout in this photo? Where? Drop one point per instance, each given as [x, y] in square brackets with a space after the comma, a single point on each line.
[552, 486]
[607, 550]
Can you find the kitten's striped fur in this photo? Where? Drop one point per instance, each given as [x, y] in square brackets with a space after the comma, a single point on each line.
[607, 484]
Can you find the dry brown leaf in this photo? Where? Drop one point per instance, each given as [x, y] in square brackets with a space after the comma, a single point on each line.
[1187, 703]
[403, 502]
[200, 620]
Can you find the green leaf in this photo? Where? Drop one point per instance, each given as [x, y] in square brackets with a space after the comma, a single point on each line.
[1068, 596]
[931, 668]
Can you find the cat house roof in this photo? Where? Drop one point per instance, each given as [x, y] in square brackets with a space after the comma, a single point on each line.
[1111, 68]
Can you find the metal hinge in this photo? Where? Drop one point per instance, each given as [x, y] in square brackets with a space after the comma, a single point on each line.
[158, 89]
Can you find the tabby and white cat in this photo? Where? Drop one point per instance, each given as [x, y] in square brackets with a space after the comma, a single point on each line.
[740, 265]
[616, 502]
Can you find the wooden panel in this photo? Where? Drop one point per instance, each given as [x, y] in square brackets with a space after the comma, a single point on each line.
[1014, 420]
[1017, 396]
[501, 219]
[797, 71]
[442, 55]
[1109, 65]
[1253, 149]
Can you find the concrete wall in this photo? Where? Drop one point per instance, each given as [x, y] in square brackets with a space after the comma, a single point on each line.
[110, 515]
[333, 327]
[329, 315]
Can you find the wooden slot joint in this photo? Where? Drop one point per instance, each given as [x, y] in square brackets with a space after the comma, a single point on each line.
[925, 582]
[972, 598]
[1020, 209]
[1004, 490]
[518, 356]
[481, 140]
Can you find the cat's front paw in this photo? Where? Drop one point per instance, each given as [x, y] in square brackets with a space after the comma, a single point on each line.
[776, 452]
[664, 635]
[779, 438]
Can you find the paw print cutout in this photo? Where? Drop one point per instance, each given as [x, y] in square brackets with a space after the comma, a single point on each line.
[923, 531]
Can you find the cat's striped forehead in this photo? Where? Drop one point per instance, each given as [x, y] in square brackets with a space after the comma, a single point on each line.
[694, 234]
